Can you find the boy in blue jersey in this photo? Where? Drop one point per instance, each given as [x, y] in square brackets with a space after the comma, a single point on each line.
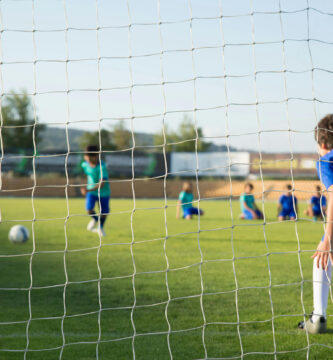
[323, 257]
[287, 208]
[185, 201]
[97, 189]
[249, 208]
[317, 205]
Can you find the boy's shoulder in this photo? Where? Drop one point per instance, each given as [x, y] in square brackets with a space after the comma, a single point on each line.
[85, 165]
[325, 169]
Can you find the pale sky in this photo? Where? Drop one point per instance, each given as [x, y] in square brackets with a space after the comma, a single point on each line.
[82, 45]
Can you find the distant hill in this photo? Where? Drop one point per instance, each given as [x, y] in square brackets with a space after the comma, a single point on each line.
[54, 138]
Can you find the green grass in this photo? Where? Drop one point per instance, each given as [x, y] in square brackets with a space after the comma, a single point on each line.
[249, 242]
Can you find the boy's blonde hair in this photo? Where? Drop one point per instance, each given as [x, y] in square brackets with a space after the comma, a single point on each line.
[187, 186]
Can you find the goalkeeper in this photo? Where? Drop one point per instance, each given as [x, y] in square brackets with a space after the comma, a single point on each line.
[322, 258]
[97, 189]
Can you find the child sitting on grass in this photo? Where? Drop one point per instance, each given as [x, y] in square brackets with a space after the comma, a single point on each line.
[287, 208]
[248, 205]
[317, 205]
[185, 202]
[97, 189]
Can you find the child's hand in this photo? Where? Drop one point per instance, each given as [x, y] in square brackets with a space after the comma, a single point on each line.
[323, 253]
[83, 191]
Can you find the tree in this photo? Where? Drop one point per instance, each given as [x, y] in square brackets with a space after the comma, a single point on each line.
[187, 131]
[184, 139]
[118, 138]
[121, 137]
[20, 126]
[89, 138]
[170, 138]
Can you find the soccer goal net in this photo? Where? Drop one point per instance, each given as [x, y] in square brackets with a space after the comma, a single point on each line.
[147, 151]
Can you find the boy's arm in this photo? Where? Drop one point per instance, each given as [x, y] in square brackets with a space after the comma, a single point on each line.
[324, 249]
[179, 203]
[84, 190]
[98, 186]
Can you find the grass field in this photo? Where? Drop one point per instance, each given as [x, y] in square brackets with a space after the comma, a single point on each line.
[222, 323]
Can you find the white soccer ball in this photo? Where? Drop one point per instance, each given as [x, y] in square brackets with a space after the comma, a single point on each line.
[18, 234]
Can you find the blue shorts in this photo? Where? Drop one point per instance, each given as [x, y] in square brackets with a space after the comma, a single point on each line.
[288, 213]
[91, 200]
[190, 211]
[249, 216]
[316, 211]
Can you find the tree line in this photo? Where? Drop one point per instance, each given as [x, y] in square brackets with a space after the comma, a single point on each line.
[21, 129]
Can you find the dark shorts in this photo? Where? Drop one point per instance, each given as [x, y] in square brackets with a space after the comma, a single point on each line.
[316, 211]
[91, 200]
[190, 211]
[288, 213]
[248, 215]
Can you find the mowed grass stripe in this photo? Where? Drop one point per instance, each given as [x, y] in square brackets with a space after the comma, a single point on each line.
[184, 311]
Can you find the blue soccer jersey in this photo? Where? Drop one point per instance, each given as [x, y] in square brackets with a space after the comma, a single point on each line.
[325, 169]
[287, 202]
[317, 202]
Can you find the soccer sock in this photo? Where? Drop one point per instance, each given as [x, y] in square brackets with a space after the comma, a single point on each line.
[94, 216]
[103, 218]
[321, 287]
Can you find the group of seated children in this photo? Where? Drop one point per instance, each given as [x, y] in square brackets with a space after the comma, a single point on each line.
[287, 206]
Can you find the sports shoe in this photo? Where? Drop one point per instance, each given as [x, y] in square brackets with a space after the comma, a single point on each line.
[314, 327]
[91, 225]
[99, 231]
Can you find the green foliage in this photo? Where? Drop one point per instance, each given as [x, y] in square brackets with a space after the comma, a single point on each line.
[184, 139]
[89, 138]
[20, 126]
[121, 136]
[117, 138]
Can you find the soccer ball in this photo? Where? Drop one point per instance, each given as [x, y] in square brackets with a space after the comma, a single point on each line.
[18, 234]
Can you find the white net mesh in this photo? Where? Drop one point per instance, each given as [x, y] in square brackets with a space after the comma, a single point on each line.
[250, 78]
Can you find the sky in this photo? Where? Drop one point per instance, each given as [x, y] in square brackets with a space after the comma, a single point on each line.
[89, 68]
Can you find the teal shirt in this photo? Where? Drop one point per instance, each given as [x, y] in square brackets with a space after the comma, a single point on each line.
[186, 199]
[248, 199]
[94, 176]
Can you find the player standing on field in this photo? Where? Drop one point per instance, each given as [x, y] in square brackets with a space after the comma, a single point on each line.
[322, 263]
[97, 190]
